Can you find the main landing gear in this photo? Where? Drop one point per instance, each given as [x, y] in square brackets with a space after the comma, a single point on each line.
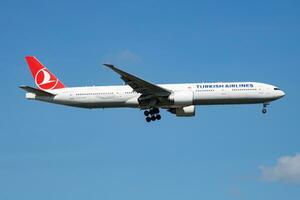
[264, 110]
[152, 114]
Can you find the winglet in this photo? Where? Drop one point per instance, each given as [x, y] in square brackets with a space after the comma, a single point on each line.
[109, 65]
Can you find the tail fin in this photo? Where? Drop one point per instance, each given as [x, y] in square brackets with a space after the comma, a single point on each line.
[43, 78]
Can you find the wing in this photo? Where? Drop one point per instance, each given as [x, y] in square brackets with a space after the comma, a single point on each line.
[139, 85]
[36, 91]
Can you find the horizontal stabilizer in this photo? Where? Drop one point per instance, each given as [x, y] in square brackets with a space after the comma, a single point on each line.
[36, 91]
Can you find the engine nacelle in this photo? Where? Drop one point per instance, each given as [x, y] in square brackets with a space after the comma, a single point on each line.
[182, 98]
[188, 111]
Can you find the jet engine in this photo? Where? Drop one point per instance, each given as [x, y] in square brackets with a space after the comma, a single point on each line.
[182, 98]
[187, 111]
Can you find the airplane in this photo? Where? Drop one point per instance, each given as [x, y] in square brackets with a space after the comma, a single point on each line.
[178, 99]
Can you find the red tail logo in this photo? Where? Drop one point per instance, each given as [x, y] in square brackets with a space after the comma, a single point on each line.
[44, 79]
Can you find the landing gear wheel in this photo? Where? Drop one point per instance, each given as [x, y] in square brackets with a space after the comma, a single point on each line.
[148, 119]
[264, 111]
[153, 117]
[146, 113]
[155, 110]
[151, 112]
[158, 117]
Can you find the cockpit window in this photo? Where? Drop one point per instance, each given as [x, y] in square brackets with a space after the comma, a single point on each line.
[276, 89]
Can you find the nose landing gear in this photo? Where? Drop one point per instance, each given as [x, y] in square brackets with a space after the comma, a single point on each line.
[152, 114]
[264, 110]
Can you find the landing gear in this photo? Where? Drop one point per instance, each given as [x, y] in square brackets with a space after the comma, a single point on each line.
[264, 110]
[158, 117]
[152, 115]
[146, 113]
[148, 119]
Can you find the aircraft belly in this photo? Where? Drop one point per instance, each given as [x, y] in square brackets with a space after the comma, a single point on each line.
[226, 97]
[223, 101]
[98, 102]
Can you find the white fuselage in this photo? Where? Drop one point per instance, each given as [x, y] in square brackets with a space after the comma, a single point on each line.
[203, 94]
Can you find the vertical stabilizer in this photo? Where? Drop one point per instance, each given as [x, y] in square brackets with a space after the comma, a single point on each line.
[43, 78]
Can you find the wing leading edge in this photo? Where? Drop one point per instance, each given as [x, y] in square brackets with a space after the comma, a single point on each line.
[139, 85]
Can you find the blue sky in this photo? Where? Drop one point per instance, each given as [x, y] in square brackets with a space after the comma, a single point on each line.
[225, 152]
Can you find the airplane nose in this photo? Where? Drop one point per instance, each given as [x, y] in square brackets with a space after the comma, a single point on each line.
[282, 94]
